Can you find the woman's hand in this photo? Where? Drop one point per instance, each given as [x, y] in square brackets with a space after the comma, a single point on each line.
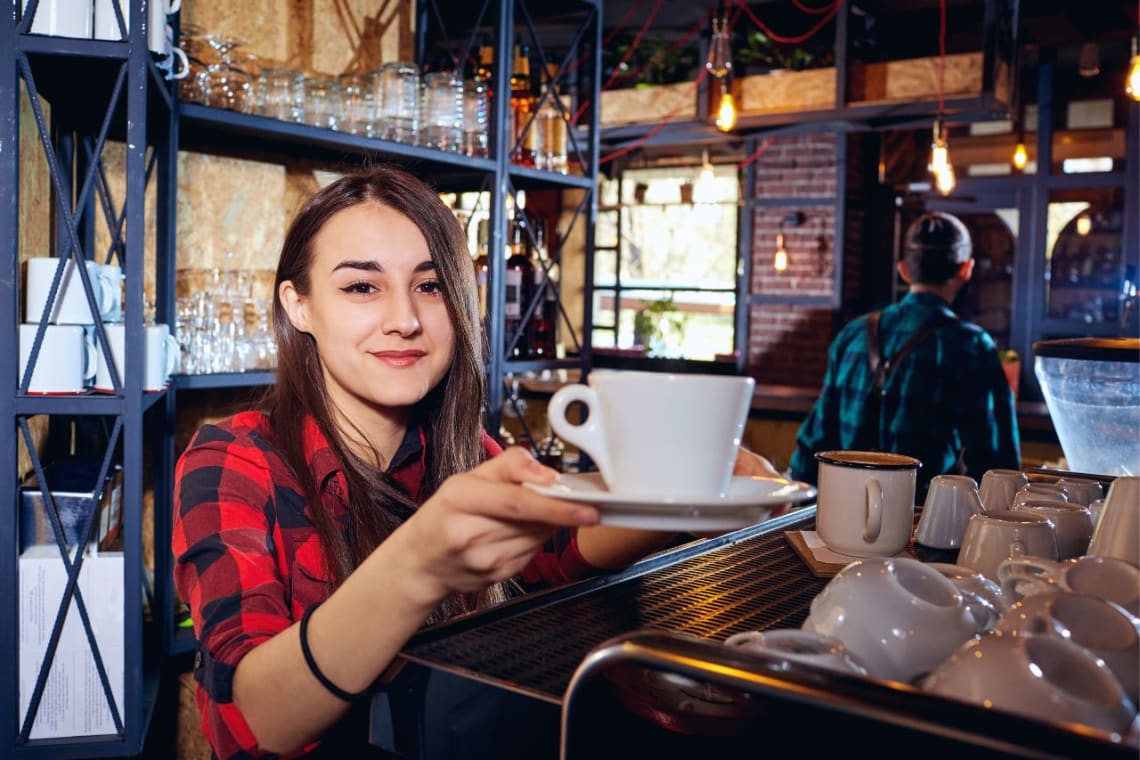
[751, 463]
[482, 526]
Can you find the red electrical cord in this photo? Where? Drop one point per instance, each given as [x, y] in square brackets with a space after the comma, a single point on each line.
[680, 41]
[941, 55]
[659, 125]
[830, 14]
[814, 11]
[633, 45]
[760, 149]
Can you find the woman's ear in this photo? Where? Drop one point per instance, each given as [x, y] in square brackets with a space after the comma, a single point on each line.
[294, 306]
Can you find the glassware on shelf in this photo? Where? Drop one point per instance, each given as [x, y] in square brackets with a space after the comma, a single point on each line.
[322, 101]
[223, 326]
[475, 122]
[229, 86]
[398, 115]
[281, 93]
[443, 111]
[357, 110]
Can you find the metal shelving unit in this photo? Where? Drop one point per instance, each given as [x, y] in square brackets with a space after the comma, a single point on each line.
[97, 90]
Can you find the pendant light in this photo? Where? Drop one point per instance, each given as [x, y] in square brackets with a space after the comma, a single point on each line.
[1132, 82]
[940, 167]
[726, 110]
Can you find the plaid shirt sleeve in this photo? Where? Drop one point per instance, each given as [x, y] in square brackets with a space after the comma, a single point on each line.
[987, 417]
[225, 569]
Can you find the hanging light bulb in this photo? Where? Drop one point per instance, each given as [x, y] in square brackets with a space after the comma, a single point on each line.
[1132, 82]
[1020, 157]
[780, 260]
[726, 110]
[1088, 61]
[940, 166]
[704, 190]
[1084, 224]
[719, 62]
[706, 174]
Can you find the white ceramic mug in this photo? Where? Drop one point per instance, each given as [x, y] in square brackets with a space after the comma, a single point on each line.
[161, 356]
[70, 306]
[62, 18]
[106, 25]
[994, 537]
[1040, 490]
[156, 37]
[66, 360]
[1117, 532]
[865, 506]
[1081, 490]
[998, 488]
[658, 434]
[899, 616]
[983, 597]
[1105, 577]
[1072, 523]
[797, 645]
[950, 502]
[1103, 628]
[1041, 677]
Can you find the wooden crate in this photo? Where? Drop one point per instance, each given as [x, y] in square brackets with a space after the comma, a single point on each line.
[648, 105]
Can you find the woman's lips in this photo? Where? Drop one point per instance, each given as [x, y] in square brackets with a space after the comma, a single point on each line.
[399, 358]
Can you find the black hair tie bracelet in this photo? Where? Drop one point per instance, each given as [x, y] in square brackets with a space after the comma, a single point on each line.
[333, 689]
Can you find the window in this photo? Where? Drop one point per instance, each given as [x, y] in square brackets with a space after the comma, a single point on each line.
[666, 262]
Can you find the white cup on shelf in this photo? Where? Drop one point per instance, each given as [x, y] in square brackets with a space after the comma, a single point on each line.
[106, 24]
[70, 306]
[65, 363]
[161, 357]
[62, 18]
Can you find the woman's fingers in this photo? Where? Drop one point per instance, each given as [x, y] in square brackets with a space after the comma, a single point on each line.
[752, 464]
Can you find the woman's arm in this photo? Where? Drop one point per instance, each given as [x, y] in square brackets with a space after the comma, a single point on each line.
[481, 527]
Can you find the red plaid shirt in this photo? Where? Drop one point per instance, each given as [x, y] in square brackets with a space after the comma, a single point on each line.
[248, 560]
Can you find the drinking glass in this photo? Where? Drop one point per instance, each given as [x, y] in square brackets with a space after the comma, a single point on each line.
[357, 111]
[281, 93]
[475, 132]
[443, 111]
[399, 116]
[322, 102]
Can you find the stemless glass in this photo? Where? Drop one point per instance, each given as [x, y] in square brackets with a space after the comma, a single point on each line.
[357, 112]
[399, 115]
[475, 132]
[280, 93]
[322, 101]
[443, 111]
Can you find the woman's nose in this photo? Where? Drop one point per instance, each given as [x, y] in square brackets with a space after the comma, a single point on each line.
[400, 315]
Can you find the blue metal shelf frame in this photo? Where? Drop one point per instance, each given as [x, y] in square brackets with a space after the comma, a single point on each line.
[135, 413]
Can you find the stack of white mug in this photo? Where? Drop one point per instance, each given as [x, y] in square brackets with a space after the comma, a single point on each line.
[1039, 617]
[71, 358]
[87, 19]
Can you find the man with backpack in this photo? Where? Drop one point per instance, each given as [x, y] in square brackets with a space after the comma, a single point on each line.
[913, 378]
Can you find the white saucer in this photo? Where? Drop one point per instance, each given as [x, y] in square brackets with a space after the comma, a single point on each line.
[749, 500]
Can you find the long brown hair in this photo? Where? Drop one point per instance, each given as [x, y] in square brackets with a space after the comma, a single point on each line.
[450, 415]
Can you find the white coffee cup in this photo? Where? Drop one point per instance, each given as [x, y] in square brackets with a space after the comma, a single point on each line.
[62, 18]
[70, 306]
[658, 434]
[65, 362]
[1105, 577]
[106, 24]
[865, 506]
[1081, 490]
[161, 356]
[157, 11]
[1117, 533]
[1096, 506]
[1072, 523]
[899, 616]
[983, 597]
[1103, 628]
[950, 501]
[994, 537]
[1041, 677]
[998, 488]
[1040, 490]
[797, 645]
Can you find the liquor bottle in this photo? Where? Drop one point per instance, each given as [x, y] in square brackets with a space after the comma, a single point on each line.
[519, 281]
[485, 70]
[524, 135]
[552, 126]
[481, 268]
[540, 329]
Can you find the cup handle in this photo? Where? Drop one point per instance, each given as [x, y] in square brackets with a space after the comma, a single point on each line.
[182, 70]
[173, 7]
[173, 355]
[1020, 576]
[590, 435]
[90, 358]
[107, 288]
[873, 517]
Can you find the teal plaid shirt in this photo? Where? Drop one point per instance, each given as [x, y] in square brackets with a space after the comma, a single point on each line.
[948, 401]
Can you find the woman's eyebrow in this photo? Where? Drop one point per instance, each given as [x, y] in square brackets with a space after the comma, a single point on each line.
[366, 266]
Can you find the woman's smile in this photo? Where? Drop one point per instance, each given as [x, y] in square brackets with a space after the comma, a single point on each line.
[399, 358]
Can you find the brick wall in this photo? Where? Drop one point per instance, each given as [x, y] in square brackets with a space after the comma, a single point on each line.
[788, 343]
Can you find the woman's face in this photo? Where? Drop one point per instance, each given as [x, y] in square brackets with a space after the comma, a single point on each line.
[376, 310]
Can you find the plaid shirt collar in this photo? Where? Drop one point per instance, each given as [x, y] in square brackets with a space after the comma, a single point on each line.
[407, 467]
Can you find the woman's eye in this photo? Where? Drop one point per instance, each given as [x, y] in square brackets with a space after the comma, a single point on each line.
[361, 287]
[431, 286]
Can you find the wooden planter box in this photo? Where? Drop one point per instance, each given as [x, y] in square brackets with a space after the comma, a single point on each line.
[649, 105]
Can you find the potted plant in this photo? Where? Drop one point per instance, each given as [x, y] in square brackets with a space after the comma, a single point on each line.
[653, 322]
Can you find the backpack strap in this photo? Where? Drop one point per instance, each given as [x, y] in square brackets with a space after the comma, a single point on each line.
[882, 368]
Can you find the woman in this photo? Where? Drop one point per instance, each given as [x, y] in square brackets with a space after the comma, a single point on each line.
[314, 538]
